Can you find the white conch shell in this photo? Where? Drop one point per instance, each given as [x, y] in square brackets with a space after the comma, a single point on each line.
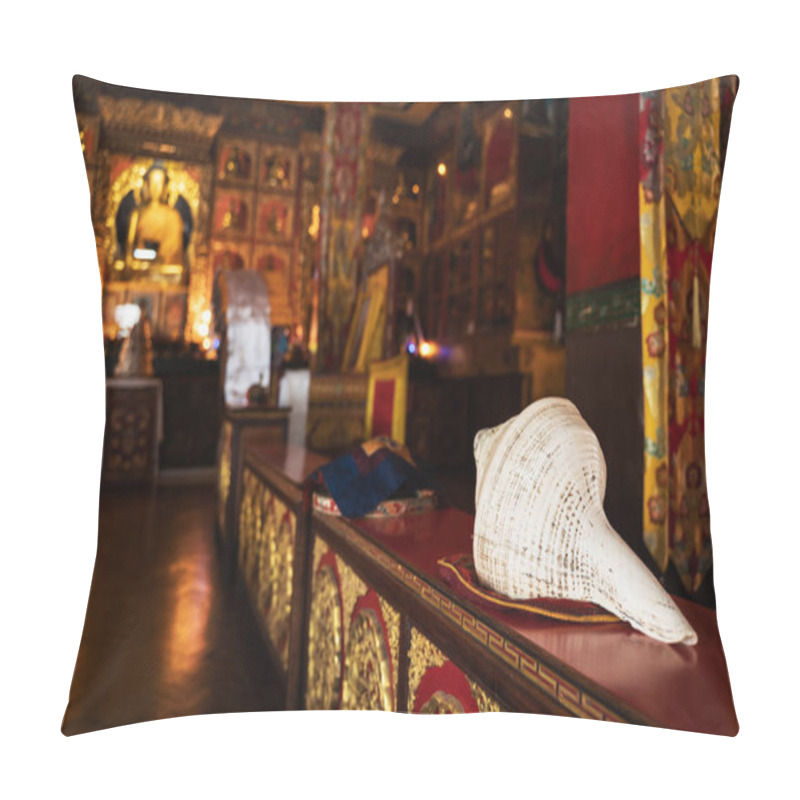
[540, 528]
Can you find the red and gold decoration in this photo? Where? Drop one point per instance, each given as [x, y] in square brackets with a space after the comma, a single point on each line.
[680, 179]
[387, 399]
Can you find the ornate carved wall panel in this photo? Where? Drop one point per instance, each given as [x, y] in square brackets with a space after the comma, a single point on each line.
[437, 686]
[353, 639]
[224, 475]
[325, 632]
[266, 554]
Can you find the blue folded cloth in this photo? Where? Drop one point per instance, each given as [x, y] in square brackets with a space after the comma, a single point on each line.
[358, 481]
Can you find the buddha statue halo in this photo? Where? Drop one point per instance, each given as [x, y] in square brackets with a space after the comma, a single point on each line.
[540, 527]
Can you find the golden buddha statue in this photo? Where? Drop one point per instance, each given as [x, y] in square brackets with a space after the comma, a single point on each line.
[155, 234]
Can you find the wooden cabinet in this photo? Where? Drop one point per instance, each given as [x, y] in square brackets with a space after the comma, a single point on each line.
[192, 405]
[133, 430]
[444, 414]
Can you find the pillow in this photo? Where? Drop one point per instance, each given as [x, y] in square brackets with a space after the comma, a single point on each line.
[512, 251]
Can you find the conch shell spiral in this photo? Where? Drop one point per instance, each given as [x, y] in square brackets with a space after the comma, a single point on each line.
[540, 527]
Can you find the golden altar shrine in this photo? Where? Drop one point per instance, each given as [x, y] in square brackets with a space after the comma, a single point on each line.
[356, 614]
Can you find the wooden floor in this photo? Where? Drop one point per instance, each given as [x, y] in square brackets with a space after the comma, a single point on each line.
[165, 634]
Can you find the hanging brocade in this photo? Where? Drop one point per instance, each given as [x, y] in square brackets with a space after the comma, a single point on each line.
[653, 269]
[678, 200]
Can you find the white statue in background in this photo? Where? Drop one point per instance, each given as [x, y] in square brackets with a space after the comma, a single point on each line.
[242, 319]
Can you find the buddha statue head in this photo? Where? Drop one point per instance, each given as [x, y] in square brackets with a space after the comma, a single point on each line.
[154, 184]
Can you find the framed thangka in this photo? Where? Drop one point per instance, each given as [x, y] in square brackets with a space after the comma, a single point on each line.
[277, 168]
[274, 217]
[236, 161]
[233, 213]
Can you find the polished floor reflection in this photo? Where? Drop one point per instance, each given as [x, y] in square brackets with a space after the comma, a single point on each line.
[165, 633]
